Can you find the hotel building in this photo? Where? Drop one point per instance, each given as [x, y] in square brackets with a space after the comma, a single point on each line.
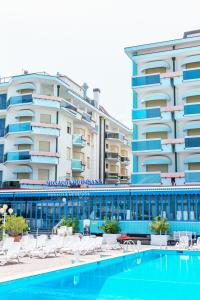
[51, 130]
[166, 111]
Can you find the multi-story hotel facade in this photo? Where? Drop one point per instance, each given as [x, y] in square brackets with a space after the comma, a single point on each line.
[52, 131]
[166, 111]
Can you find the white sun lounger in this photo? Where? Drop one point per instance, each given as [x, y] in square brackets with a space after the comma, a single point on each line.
[11, 255]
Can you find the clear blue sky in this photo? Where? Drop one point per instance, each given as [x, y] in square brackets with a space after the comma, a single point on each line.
[85, 39]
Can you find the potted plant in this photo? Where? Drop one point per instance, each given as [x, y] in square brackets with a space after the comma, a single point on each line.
[111, 230]
[15, 226]
[71, 224]
[161, 227]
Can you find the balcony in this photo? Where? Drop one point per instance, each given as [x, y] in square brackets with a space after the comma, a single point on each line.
[78, 140]
[146, 145]
[115, 136]
[40, 100]
[151, 113]
[192, 142]
[124, 178]
[153, 145]
[32, 156]
[192, 176]
[37, 128]
[77, 165]
[18, 127]
[125, 160]
[146, 178]
[112, 176]
[140, 81]
[191, 74]
[20, 100]
[17, 156]
[112, 156]
[191, 109]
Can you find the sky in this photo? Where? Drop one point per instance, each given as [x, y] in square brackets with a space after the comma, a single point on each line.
[85, 39]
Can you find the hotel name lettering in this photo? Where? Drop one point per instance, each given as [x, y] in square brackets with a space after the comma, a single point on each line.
[74, 182]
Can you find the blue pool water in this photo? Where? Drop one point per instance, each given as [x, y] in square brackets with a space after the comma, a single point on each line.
[151, 275]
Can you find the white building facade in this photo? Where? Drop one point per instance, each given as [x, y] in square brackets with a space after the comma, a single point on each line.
[51, 130]
[166, 111]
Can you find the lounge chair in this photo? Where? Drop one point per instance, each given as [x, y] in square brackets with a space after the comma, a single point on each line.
[28, 246]
[12, 254]
[48, 249]
[7, 243]
[183, 243]
[196, 246]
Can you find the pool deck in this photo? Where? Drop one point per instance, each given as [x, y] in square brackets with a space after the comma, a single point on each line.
[32, 266]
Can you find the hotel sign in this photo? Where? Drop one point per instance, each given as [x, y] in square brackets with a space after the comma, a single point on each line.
[74, 182]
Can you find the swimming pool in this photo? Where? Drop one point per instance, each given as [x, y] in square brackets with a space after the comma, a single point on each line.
[150, 275]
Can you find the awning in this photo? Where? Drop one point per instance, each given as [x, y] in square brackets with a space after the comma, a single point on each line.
[25, 86]
[23, 169]
[156, 128]
[24, 113]
[155, 96]
[192, 159]
[23, 141]
[156, 160]
[154, 64]
[191, 59]
[191, 93]
[191, 126]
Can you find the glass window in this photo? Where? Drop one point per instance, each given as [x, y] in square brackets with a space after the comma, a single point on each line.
[44, 146]
[45, 118]
[2, 127]
[23, 175]
[3, 98]
[1, 152]
[24, 147]
[43, 174]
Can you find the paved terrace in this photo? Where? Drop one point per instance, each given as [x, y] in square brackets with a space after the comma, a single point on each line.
[33, 266]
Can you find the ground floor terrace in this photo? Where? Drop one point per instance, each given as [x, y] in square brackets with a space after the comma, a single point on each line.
[134, 207]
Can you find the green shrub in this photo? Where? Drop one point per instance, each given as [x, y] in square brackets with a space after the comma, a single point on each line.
[15, 226]
[110, 226]
[70, 222]
[159, 225]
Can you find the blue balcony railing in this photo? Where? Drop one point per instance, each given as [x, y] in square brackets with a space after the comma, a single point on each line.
[191, 74]
[77, 165]
[78, 140]
[192, 142]
[146, 178]
[23, 155]
[146, 80]
[18, 127]
[146, 113]
[20, 99]
[191, 109]
[146, 145]
[192, 176]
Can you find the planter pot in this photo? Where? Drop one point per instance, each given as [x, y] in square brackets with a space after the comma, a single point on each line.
[17, 238]
[159, 240]
[110, 238]
[69, 230]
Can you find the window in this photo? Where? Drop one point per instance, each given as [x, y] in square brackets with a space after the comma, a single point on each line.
[3, 98]
[43, 174]
[69, 129]
[44, 146]
[1, 152]
[44, 118]
[106, 166]
[25, 119]
[88, 162]
[107, 146]
[23, 175]
[2, 127]
[24, 147]
[68, 153]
